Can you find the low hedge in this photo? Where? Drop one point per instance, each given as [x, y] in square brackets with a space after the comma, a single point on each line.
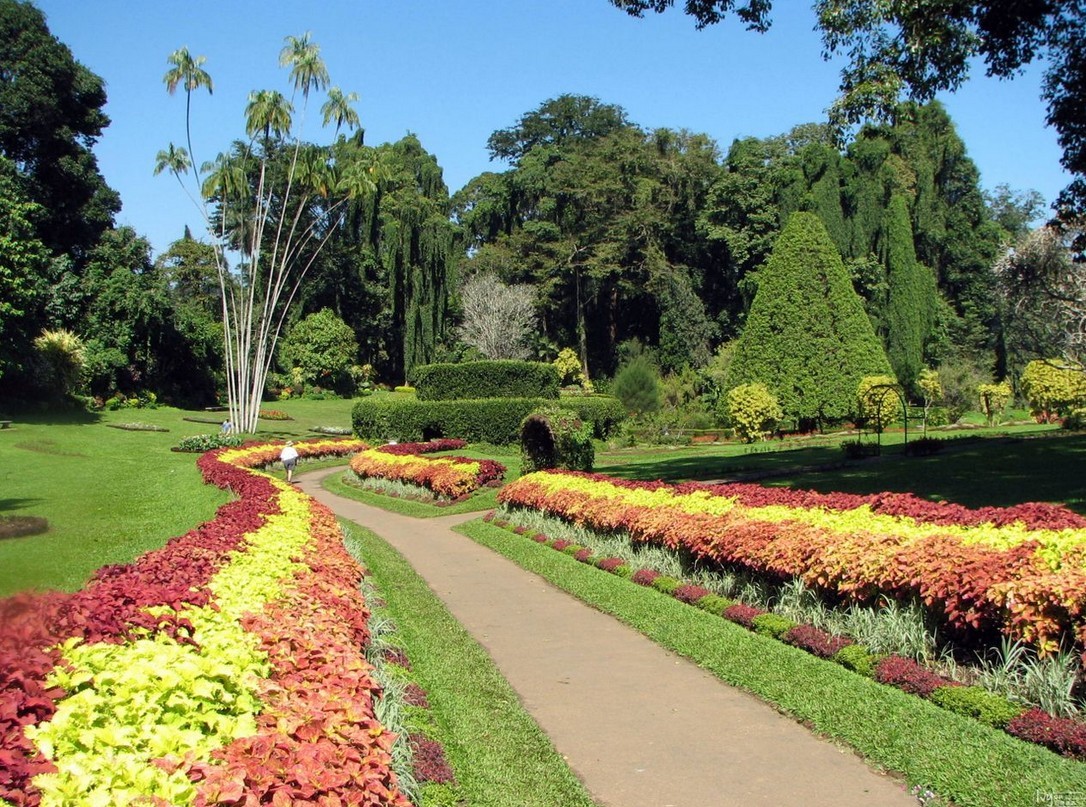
[485, 379]
[488, 420]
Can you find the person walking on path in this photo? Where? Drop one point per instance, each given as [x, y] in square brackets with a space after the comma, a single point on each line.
[289, 457]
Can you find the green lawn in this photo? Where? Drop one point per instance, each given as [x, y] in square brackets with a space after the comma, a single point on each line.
[111, 494]
[1002, 466]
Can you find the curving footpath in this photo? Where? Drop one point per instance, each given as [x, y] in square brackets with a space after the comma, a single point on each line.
[635, 722]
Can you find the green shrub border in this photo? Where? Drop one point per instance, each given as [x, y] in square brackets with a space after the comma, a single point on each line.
[489, 420]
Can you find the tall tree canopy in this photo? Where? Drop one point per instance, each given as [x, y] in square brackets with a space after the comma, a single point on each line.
[917, 48]
[601, 217]
[50, 117]
[388, 265]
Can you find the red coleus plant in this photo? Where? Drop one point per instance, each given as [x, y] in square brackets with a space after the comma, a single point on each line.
[815, 640]
[1060, 734]
[909, 676]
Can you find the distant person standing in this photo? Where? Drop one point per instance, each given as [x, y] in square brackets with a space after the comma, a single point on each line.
[289, 458]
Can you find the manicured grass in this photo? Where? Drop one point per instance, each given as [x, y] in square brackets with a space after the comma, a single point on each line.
[959, 758]
[973, 472]
[500, 756]
[999, 467]
[110, 494]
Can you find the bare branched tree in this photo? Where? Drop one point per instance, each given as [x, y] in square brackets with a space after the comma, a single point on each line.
[271, 204]
[1044, 296]
[498, 319]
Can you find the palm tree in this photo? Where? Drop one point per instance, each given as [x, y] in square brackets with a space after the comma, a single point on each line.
[307, 69]
[268, 112]
[257, 296]
[338, 108]
[187, 69]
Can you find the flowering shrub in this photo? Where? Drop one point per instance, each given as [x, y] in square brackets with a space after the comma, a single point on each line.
[1063, 735]
[225, 667]
[1019, 569]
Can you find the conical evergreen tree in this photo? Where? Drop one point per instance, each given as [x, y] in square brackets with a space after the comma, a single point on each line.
[910, 304]
[807, 336]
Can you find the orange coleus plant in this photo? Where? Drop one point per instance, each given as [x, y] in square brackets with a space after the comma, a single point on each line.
[1019, 570]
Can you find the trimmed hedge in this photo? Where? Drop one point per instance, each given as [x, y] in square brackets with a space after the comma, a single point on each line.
[604, 412]
[488, 420]
[485, 379]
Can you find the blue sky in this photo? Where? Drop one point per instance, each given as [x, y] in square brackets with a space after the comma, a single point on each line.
[454, 71]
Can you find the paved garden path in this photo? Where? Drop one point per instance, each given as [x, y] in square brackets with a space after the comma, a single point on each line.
[640, 726]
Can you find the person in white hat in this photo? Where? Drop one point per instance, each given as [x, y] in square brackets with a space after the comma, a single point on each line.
[289, 458]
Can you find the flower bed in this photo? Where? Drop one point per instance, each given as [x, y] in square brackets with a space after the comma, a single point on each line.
[1065, 736]
[1021, 570]
[226, 666]
[450, 477]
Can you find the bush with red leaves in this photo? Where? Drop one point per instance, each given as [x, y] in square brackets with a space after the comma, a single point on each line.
[610, 564]
[815, 640]
[909, 676]
[645, 577]
[689, 593]
[742, 614]
[1060, 734]
[430, 762]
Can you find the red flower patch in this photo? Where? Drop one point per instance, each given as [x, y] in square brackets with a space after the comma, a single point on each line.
[742, 614]
[1060, 734]
[690, 593]
[645, 577]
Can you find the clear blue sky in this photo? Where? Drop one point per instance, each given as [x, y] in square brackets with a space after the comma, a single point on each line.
[454, 71]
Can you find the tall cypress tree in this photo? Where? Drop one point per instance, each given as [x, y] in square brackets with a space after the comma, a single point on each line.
[807, 336]
[911, 298]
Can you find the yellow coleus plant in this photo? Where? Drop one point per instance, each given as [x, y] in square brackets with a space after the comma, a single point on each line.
[153, 697]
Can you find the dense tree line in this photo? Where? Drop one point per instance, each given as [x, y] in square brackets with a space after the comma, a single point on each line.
[626, 243]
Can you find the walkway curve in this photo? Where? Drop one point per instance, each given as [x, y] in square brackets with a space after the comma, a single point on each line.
[639, 725]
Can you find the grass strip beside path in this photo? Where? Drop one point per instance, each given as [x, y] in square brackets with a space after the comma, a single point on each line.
[481, 501]
[960, 759]
[500, 755]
